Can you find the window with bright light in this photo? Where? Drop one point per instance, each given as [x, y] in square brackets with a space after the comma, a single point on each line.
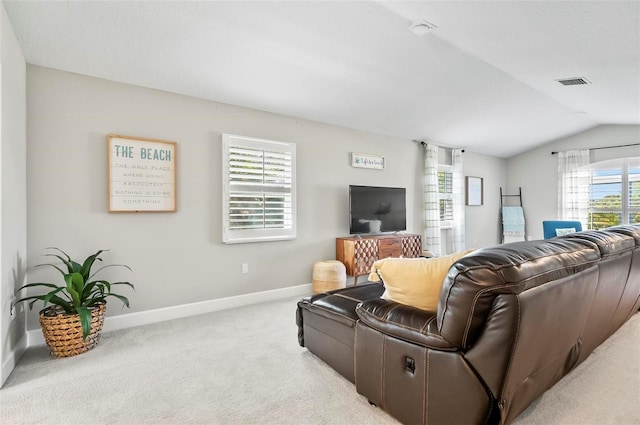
[614, 193]
[445, 196]
[259, 197]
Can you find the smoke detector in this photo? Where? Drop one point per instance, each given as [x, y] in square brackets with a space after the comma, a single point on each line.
[577, 81]
[421, 27]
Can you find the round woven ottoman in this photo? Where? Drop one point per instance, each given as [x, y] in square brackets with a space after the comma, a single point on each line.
[328, 275]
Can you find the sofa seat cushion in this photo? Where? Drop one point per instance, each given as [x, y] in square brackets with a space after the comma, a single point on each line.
[340, 305]
[333, 313]
[414, 281]
[326, 324]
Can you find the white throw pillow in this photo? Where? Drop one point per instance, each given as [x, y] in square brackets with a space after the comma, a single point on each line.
[560, 232]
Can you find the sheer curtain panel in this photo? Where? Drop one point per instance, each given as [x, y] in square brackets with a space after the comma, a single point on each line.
[458, 230]
[573, 185]
[431, 238]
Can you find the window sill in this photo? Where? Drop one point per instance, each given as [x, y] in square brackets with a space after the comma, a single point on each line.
[258, 239]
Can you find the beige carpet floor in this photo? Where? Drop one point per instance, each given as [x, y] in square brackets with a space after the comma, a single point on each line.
[244, 366]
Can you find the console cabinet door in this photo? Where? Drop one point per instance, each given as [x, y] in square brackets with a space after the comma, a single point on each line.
[366, 253]
[411, 246]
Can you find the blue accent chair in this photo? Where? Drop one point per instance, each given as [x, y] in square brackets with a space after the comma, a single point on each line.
[550, 226]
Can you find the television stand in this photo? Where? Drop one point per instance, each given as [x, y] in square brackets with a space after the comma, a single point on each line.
[358, 253]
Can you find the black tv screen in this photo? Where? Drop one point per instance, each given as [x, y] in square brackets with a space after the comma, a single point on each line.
[377, 209]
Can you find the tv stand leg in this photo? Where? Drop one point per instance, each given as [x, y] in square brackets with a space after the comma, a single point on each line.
[355, 279]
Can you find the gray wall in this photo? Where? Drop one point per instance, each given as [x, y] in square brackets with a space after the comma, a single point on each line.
[13, 210]
[482, 223]
[178, 258]
[536, 171]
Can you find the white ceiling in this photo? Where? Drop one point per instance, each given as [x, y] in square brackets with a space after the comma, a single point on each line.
[483, 80]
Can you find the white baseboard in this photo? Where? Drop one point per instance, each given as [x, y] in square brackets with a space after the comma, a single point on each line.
[124, 321]
[11, 362]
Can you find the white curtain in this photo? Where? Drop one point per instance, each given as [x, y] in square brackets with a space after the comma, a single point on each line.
[573, 185]
[431, 238]
[458, 241]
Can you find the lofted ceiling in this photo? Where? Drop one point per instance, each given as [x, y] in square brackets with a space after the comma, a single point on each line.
[484, 79]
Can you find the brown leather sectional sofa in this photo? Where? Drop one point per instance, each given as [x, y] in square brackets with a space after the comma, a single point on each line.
[512, 320]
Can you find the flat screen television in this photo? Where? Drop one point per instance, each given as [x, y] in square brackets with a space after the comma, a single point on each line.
[375, 209]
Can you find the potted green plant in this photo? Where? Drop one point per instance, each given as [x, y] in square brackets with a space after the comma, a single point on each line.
[72, 323]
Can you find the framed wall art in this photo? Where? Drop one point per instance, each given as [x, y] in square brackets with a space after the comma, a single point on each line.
[363, 160]
[474, 193]
[142, 174]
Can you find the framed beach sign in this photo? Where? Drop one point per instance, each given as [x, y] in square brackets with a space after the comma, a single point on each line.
[142, 174]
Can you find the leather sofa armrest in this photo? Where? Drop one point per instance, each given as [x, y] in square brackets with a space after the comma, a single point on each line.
[402, 321]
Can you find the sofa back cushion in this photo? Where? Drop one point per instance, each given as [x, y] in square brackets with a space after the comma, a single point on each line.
[475, 280]
[527, 313]
[628, 306]
[614, 298]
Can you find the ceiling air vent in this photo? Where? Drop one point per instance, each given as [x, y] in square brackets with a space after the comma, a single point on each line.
[422, 27]
[573, 81]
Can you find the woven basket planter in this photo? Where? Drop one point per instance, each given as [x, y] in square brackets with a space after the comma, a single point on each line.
[63, 332]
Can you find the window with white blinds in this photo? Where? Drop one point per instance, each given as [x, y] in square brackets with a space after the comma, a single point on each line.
[259, 196]
[445, 195]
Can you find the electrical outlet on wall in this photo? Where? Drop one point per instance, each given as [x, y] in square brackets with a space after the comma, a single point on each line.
[245, 268]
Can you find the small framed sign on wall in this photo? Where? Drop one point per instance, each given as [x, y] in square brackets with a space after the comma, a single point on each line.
[365, 160]
[475, 195]
[142, 174]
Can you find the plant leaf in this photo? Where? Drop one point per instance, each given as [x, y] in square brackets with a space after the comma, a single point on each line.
[95, 301]
[85, 319]
[33, 297]
[62, 272]
[124, 299]
[49, 296]
[78, 282]
[97, 292]
[68, 308]
[86, 292]
[88, 263]
[103, 284]
[75, 296]
[109, 265]
[59, 250]
[32, 303]
[33, 285]
[66, 259]
[77, 267]
[124, 283]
